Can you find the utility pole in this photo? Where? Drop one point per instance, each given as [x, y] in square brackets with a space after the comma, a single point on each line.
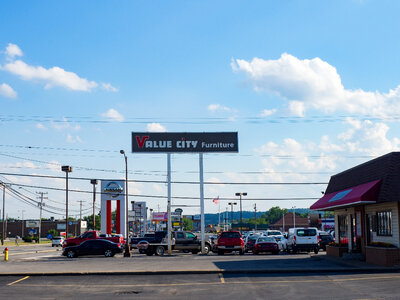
[41, 206]
[22, 227]
[4, 223]
[255, 216]
[80, 216]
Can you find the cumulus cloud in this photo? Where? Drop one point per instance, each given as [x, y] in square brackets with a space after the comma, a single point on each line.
[13, 50]
[73, 139]
[108, 87]
[268, 112]
[313, 83]
[113, 115]
[155, 127]
[64, 124]
[217, 107]
[50, 77]
[7, 91]
[41, 126]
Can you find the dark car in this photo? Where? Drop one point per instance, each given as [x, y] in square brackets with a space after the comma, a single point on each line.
[324, 239]
[93, 247]
[250, 242]
[266, 244]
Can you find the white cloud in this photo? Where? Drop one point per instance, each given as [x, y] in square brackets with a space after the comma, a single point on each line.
[296, 108]
[268, 112]
[7, 91]
[41, 126]
[155, 127]
[113, 115]
[13, 50]
[314, 83]
[54, 76]
[73, 139]
[64, 124]
[217, 107]
[108, 87]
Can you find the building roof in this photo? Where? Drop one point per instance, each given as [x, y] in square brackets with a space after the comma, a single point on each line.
[386, 168]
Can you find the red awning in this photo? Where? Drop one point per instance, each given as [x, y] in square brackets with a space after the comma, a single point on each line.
[359, 194]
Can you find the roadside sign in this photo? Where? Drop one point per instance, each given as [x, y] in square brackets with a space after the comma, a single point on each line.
[49, 236]
[179, 210]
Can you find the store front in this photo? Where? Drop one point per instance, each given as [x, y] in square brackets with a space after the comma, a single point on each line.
[366, 200]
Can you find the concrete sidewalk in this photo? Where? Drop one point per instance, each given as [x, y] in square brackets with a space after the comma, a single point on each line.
[179, 263]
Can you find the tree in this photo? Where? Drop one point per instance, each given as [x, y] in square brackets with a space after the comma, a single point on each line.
[89, 220]
[188, 224]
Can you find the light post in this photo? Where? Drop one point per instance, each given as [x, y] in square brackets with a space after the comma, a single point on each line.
[294, 216]
[66, 169]
[22, 223]
[4, 206]
[127, 246]
[151, 219]
[94, 182]
[240, 195]
[232, 204]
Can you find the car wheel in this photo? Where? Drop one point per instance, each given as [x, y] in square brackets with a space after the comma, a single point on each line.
[71, 254]
[207, 248]
[52, 245]
[160, 250]
[108, 253]
[316, 250]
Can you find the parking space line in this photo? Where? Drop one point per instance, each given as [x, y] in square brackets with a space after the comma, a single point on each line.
[221, 276]
[16, 281]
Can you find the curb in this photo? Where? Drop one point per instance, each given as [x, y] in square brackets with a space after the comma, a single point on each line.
[211, 271]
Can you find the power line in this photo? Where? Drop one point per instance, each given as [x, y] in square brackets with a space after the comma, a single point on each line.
[174, 182]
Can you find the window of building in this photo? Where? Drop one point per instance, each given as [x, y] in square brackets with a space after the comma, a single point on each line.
[342, 220]
[384, 223]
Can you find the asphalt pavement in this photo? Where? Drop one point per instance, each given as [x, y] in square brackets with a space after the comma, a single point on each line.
[45, 260]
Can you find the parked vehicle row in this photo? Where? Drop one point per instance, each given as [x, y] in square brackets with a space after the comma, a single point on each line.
[271, 241]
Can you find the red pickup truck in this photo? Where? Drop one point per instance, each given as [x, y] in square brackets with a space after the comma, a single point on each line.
[90, 235]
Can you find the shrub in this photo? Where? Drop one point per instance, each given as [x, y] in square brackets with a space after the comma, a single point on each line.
[382, 244]
[333, 244]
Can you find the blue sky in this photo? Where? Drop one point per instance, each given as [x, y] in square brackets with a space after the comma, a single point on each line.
[310, 86]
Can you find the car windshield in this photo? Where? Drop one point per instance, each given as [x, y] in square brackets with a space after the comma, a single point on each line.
[266, 239]
[306, 232]
[230, 235]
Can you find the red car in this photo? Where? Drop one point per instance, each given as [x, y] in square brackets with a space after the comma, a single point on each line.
[266, 244]
[229, 241]
[92, 235]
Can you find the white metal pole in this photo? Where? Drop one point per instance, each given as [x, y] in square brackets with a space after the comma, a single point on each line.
[169, 203]
[202, 202]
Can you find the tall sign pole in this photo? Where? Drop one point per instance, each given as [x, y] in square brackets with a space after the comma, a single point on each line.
[4, 207]
[202, 202]
[169, 203]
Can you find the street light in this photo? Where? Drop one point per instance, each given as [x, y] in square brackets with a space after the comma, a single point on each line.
[294, 216]
[22, 223]
[127, 248]
[232, 204]
[240, 195]
[94, 182]
[66, 169]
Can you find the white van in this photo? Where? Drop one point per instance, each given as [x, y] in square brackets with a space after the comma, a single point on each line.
[305, 239]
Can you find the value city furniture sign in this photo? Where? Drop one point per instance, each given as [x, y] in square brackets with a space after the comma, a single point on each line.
[195, 142]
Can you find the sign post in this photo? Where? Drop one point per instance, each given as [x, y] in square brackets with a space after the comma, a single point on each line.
[185, 142]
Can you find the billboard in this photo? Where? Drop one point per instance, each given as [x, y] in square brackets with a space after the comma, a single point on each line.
[160, 216]
[195, 142]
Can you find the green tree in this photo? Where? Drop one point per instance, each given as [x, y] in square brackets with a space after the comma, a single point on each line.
[89, 220]
[188, 224]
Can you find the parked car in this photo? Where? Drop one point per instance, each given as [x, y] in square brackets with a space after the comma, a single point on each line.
[303, 239]
[91, 235]
[282, 242]
[229, 241]
[324, 239]
[271, 232]
[57, 241]
[266, 244]
[250, 242]
[93, 247]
